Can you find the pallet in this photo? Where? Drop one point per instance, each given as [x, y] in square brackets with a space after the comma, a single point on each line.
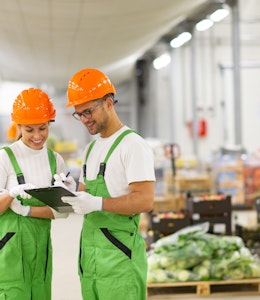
[204, 288]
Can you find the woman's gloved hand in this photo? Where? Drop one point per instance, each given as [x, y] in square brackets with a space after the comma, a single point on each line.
[84, 203]
[67, 182]
[17, 207]
[19, 190]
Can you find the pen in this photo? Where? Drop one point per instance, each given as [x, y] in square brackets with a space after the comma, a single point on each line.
[66, 176]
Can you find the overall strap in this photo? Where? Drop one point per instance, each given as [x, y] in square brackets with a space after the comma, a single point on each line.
[53, 164]
[52, 161]
[85, 166]
[103, 164]
[112, 148]
[89, 149]
[116, 142]
[19, 174]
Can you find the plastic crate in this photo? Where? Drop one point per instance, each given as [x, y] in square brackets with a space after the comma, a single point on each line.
[160, 225]
[215, 211]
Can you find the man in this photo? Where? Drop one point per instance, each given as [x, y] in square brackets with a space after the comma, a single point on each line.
[116, 184]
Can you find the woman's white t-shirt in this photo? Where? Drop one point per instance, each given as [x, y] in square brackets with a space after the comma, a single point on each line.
[34, 165]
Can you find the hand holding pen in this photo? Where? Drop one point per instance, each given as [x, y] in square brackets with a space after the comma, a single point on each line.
[66, 181]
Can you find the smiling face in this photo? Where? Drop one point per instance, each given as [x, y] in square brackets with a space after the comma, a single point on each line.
[35, 135]
[93, 115]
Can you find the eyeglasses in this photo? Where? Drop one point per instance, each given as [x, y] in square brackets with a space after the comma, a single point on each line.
[87, 113]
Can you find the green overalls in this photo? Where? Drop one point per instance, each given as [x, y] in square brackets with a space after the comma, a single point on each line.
[25, 249]
[112, 258]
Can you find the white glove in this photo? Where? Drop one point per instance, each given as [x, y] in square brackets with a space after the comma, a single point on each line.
[17, 207]
[67, 182]
[19, 190]
[84, 203]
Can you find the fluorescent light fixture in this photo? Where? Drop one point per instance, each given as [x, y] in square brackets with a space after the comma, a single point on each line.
[161, 61]
[204, 24]
[219, 15]
[180, 39]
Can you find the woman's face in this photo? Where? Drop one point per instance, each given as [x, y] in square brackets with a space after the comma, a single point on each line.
[35, 135]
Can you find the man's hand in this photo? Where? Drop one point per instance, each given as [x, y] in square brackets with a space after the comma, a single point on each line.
[19, 191]
[84, 203]
[67, 182]
[17, 207]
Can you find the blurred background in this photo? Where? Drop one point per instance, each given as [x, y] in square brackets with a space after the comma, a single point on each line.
[187, 78]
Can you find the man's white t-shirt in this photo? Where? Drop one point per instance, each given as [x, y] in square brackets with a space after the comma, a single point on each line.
[131, 161]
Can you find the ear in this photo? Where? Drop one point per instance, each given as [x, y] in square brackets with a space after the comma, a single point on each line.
[109, 101]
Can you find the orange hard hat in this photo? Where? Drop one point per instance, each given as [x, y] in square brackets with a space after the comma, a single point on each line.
[33, 106]
[87, 85]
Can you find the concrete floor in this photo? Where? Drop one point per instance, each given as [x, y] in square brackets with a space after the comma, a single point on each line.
[66, 286]
[65, 242]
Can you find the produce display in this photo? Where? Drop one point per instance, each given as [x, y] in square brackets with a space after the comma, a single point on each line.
[193, 254]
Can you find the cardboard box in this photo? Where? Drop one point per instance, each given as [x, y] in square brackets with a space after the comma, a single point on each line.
[169, 203]
[252, 179]
[194, 185]
[237, 194]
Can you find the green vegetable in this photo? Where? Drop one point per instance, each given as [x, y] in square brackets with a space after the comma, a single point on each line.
[160, 276]
[166, 261]
[202, 271]
[183, 275]
[153, 262]
[194, 254]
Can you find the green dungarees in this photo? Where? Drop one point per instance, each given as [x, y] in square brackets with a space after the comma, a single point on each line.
[112, 258]
[25, 249]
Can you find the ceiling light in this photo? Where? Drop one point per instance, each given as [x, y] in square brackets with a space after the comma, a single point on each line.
[161, 61]
[219, 14]
[204, 25]
[180, 39]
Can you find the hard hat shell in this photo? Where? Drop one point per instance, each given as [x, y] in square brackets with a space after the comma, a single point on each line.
[87, 85]
[33, 106]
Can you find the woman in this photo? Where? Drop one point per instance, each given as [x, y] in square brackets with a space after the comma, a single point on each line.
[25, 241]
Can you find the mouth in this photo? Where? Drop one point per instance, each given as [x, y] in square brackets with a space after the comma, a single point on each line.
[37, 142]
[90, 125]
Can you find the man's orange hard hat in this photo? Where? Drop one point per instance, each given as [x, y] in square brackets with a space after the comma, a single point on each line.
[87, 85]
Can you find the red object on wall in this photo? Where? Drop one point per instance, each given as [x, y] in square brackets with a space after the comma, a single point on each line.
[202, 127]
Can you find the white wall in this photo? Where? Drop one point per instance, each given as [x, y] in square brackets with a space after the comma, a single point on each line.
[170, 93]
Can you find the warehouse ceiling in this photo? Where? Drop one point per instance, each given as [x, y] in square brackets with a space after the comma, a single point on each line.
[45, 42]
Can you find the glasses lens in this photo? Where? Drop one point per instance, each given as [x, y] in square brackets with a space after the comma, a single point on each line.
[76, 116]
[88, 112]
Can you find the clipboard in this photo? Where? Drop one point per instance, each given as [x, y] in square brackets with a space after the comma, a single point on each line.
[51, 196]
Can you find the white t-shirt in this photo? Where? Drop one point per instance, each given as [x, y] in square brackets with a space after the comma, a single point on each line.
[34, 165]
[131, 161]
